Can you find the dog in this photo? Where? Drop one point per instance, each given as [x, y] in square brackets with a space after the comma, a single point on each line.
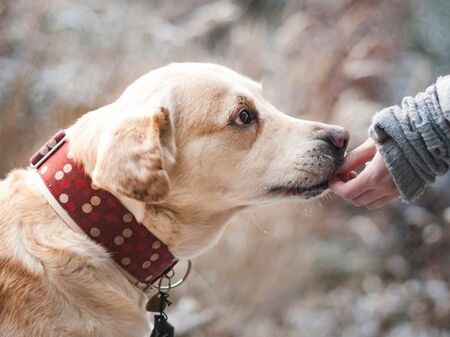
[184, 148]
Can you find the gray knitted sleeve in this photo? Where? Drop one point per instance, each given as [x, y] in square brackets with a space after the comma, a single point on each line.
[414, 138]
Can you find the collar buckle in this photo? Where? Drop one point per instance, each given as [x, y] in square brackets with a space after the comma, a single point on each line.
[48, 149]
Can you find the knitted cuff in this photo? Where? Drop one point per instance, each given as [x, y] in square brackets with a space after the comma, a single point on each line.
[385, 133]
[414, 138]
[408, 182]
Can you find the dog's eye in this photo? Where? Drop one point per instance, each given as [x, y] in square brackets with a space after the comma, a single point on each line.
[244, 118]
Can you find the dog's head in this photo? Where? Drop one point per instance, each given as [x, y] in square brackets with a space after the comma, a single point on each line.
[204, 136]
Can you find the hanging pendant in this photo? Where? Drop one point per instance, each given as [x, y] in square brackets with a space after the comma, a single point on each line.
[162, 328]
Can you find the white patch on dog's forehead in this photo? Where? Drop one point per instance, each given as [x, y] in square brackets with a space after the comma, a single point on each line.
[220, 73]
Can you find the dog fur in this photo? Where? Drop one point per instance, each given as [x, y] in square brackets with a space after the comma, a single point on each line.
[172, 149]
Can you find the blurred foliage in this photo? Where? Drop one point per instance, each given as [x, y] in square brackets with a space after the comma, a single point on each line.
[322, 269]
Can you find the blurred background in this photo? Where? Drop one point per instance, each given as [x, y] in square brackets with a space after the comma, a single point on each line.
[318, 269]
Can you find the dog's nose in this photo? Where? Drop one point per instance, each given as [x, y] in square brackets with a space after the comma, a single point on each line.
[338, 137]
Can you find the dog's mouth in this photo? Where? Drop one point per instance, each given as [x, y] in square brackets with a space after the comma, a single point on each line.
[306, 192]
[295, 189]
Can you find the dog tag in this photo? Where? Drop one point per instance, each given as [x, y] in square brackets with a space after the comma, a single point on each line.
[162, 327]
[157, 303]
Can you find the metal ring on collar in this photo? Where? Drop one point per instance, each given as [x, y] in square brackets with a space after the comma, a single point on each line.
[177, 283]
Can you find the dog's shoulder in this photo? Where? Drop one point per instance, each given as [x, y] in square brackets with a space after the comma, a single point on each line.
[53, 280]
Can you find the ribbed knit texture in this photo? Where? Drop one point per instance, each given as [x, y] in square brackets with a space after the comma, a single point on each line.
[414, 138]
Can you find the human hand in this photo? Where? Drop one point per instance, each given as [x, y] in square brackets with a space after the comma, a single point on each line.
[373, 187]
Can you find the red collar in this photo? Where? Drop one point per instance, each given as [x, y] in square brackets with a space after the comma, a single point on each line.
[99, 214]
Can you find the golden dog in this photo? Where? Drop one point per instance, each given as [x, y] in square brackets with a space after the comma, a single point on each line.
[184, 148]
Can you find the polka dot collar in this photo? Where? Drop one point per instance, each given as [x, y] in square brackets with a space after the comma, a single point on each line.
[99, 214]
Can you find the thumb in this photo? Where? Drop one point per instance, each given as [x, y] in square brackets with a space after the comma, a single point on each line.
[359, 156]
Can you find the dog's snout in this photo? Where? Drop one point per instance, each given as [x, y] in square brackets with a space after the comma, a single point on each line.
[338, 137]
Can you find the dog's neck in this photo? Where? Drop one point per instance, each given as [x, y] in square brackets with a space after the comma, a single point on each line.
[188, 229]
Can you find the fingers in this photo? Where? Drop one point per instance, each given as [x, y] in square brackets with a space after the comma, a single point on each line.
[372, 188]
[347, 183]
[348, 176]
[352, 188]
[381, 202]
[359, 156]
[370, 197]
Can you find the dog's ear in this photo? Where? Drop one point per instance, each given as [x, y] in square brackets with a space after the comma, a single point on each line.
[133, 156]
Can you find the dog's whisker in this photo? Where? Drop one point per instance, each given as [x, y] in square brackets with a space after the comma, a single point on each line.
[204, 285]
[252, 218]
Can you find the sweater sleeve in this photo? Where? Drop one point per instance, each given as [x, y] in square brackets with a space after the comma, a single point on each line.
[414, 138]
